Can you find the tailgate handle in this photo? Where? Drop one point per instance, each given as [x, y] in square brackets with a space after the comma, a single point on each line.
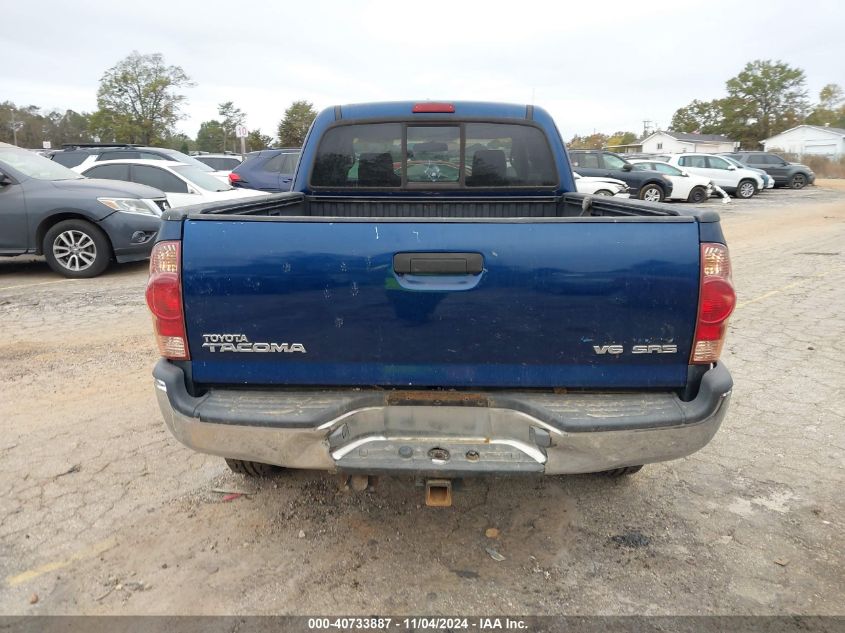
[438, 263]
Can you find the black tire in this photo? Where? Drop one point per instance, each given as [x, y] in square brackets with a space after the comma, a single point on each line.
[77, 249]
[798, 181]
[603, 192]
[652, 193]
[622, 472]
[745, 189]
[253, 469]
[697, 195]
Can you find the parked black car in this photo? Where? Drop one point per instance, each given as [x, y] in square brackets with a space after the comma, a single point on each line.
[645, 185]
[793, 175]
[266, 170]
[79, 224]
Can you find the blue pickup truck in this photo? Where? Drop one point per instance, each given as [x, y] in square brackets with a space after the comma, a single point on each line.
[432, 298]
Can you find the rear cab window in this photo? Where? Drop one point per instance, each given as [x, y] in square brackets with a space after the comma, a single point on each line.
[422, 155]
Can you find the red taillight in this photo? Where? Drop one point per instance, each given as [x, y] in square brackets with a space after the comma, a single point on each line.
[716, 301]
[233, 178]
[445, 108]
[164, 298]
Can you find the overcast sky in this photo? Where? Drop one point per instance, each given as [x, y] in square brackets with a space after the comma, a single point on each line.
[601, 66]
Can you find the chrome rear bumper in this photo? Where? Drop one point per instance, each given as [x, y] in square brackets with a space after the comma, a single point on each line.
[443, 433]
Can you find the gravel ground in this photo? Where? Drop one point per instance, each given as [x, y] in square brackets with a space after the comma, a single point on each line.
[104, 512]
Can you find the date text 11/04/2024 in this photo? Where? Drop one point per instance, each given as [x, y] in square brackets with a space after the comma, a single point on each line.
[420, 623]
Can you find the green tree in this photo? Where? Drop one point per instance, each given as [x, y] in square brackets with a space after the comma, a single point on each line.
[210, 136]
[704, 117]
[139, 100]
[181, 142]
[593, 141]
[621, 138]
[24, 124]
[256, 141]
[294, 126]
[231, 117]
[775, 96]
[831, 107]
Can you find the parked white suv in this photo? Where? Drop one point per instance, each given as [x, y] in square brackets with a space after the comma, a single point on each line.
[742, 183]
[183, 184]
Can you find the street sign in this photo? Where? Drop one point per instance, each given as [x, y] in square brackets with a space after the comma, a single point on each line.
[241, 131]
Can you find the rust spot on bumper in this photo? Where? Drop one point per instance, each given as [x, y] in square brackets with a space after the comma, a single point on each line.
[436, 398]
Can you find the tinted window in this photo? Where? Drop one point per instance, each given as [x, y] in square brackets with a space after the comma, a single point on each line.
[717, 163]
[693, 161]
[343, 150]
[110, 172]
[118, 155]
[588, 161]
[527, 158]
[434, 153]
[69, 159]
[158, 178]
[612, 162]
[494, 154]
[282, 163]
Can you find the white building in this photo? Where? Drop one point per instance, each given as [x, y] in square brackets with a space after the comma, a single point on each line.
[679, 142]
[808, 139]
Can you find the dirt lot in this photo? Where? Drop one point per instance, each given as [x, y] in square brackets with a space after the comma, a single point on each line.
[104, 512]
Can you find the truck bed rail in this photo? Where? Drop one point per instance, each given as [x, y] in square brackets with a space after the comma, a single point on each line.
[570, 205]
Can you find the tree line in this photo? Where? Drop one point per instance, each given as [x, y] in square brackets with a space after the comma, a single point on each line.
[140, 100]
[764, 99]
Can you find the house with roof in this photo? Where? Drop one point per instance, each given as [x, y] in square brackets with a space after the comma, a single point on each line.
[669, 142]
[816, 140]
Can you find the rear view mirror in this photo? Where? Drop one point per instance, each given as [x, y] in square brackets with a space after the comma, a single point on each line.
[731, 168]
[4, 180]
[626, 167]
[684, 174]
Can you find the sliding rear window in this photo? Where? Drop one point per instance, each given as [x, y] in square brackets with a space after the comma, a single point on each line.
[420, 155]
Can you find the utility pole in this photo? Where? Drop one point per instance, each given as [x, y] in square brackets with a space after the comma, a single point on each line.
[16, 125]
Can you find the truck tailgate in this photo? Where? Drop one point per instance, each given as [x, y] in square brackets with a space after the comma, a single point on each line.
[569, 303]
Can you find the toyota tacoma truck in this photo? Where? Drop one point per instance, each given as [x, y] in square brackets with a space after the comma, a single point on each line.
[433, 298]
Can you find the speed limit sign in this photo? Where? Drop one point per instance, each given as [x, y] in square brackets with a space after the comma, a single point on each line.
[241, 131]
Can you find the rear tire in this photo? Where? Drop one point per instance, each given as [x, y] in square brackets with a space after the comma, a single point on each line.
[798, 181]
[697, 195]
[652, 193]
[625, 471]
[253, 469]
[77, 249]
[746, 189]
